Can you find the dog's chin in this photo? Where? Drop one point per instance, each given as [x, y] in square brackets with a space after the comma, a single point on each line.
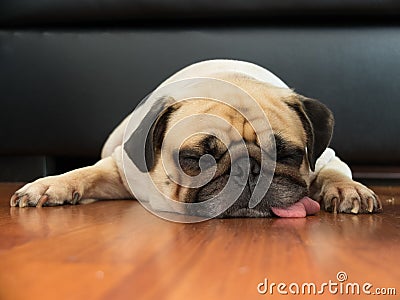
[282, 193]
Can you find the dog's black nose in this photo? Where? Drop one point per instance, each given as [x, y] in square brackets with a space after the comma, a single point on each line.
[244, 167]
[254, 167]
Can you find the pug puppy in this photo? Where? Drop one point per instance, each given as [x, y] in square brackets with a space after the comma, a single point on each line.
[302, 128]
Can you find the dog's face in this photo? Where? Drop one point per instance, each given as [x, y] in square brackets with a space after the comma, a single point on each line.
[302, 129]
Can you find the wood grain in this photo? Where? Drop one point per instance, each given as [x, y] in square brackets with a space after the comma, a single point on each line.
[118, 250]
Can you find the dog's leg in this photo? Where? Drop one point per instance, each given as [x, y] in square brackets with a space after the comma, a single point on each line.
[338, 192]
[100, 181]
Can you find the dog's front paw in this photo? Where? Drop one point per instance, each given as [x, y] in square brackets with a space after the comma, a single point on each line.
[349, 197]
[48, 191]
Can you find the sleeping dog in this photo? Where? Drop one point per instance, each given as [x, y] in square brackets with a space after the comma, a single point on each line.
[305, 167]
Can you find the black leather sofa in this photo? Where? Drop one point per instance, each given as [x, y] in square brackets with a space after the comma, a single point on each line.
[71, 70]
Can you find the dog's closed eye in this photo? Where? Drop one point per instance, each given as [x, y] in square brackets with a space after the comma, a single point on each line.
[189, 162]
[287, 153]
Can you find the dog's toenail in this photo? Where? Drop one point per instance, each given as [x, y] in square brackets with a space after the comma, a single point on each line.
[75, 197]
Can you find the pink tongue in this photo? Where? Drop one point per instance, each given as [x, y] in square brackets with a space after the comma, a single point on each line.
[305, 206]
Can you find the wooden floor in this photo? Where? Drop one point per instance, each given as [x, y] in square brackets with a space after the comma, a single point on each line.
[117, 250]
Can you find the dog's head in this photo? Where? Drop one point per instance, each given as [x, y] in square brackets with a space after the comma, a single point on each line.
[302, 129]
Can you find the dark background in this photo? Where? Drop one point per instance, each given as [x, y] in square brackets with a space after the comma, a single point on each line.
[70, 71]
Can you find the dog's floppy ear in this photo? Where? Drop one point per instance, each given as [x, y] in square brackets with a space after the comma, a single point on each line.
[318, 122]
[147, 139]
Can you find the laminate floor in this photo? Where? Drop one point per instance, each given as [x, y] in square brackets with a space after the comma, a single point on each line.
[118, 250]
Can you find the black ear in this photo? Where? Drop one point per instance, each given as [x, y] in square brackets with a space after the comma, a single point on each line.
[147, 139]
[318, 122]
